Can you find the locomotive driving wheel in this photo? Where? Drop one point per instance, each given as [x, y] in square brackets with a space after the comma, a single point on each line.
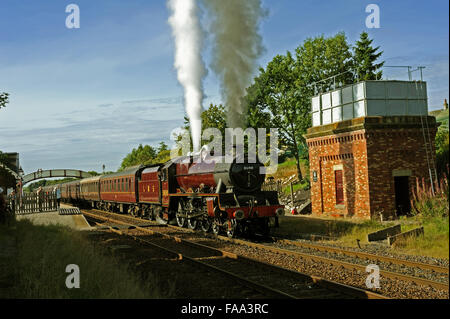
[181, 220]
[216, 227]
[206, 225]
[232, 228]
[192, 223]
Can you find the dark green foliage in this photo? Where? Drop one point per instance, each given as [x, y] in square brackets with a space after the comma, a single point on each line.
[146, 155]
[281, 93]
[442, 151]
[4, 99]
[365, 57]
[213, 117]
[4, 160]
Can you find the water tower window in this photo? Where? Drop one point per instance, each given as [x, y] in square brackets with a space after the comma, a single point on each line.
[339, 187]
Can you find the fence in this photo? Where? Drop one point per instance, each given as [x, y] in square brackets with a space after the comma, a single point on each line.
[30, 203]
[272, 186]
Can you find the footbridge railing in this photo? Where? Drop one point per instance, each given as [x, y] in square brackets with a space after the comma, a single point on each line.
[54, 173]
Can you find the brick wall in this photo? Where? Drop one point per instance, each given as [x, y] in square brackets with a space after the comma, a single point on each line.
[389, 150]
[347, 150]
[368, 155]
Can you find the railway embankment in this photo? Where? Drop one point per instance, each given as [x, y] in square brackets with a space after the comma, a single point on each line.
[34, 260]
[353, 233]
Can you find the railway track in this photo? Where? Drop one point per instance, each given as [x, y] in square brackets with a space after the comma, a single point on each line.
[354, 266]
[263, 279]
[364, 255]
[287, 245]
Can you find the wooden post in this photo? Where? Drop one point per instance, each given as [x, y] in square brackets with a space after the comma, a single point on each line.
[292, 195]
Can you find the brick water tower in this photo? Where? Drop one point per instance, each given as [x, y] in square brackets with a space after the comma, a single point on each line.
[368, 143]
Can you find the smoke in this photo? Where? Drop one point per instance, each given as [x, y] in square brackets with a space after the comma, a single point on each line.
[237, 47]
[191, 70]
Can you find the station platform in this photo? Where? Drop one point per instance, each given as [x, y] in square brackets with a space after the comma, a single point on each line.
[77, 222]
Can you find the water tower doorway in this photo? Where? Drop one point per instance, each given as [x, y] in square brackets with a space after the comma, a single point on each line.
[402, 197]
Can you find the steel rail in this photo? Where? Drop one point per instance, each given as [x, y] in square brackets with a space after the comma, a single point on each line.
[387, 274]
[338, 287]
[250, 284]
[364, 255]
[383, 273]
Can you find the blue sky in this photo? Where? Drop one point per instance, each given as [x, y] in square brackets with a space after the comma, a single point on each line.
[85, 97]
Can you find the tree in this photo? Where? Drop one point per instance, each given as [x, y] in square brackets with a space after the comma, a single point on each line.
[145, 155]
[162, 147]
[4, 160]
[442, 151]
[213, 117]
[364, 59]
[138, 156]
[274, 93]
[281, 94]
[3, 99]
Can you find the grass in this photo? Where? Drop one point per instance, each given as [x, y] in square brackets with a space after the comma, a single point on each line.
[42, 254]
[429, 210]
[441, 116]
[435, 242]
[289, 168]
[297, 186]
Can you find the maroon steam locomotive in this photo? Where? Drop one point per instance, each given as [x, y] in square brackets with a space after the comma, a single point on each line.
[204, 193]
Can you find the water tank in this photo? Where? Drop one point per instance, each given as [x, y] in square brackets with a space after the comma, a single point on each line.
[370, 98]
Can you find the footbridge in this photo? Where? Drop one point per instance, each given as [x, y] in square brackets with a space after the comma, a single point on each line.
[39, 174]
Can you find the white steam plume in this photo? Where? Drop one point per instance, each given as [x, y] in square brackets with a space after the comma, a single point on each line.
[188, 36]
[237, 47]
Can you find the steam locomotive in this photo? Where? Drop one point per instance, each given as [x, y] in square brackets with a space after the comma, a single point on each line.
[190, 191]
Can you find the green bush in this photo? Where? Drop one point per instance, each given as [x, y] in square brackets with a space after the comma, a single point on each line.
[442, 151]
[427, 204]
